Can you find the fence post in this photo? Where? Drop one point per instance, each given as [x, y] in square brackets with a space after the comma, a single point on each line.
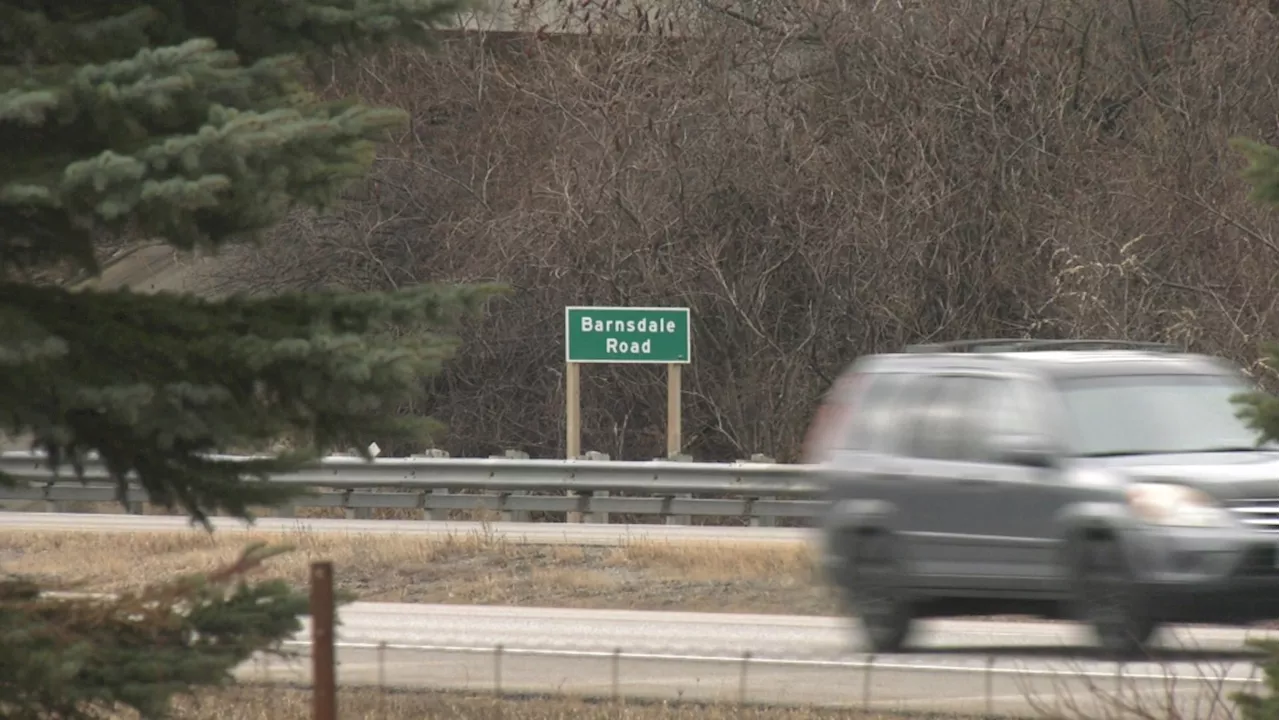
[758, 520]
[866, 682]
[429, 513]
[617, 674]
[382, 664]
[990, 690]
[497, 670]
[514, 515]
[680, 519]
[598, 516]
[323, 673]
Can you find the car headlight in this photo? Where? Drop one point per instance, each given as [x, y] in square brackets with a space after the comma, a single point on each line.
[1175, 506]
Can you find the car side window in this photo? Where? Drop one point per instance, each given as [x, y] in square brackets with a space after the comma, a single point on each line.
[1006, 407]
[915, 415]
[964, 438]
[944, 430]
[874, 412]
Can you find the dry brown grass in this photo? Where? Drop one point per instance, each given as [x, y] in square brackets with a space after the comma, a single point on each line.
[475, 569]
[258, 703]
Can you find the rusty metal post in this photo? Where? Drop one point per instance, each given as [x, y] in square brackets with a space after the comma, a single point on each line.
[323, 673]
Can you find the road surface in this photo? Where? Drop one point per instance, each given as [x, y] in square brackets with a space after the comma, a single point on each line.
[526, 533]
[965, 666]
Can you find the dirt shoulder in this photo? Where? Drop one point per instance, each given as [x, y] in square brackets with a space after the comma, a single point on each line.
[696, 577]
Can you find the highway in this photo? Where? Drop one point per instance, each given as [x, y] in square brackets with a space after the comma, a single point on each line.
[526, 533]
[977, 666]
[964, 666]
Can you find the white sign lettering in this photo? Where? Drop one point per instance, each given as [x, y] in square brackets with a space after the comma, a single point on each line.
[614, 345]
[643, 325]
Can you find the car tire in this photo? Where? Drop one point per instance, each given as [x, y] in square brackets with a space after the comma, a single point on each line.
[873, 590]
[1108, 597]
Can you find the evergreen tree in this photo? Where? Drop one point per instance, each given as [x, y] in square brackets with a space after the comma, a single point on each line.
[1261, 410]
[189, 123]
[1258, 408]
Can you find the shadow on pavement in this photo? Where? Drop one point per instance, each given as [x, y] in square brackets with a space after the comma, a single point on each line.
[1156, 655]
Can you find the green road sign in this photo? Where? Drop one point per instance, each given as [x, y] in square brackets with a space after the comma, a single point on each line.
[626, 335]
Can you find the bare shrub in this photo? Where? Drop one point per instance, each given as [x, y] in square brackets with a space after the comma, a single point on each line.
[816, 180]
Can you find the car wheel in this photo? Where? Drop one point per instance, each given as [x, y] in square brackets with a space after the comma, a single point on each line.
[874, 591]
[1109, 598]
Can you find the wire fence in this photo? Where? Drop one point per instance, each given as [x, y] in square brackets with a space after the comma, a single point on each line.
[1184, 687]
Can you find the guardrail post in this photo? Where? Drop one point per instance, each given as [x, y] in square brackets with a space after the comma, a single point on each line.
[52, 506]
[680, 519]
[576, 516]
[598, 516]
[348, 512]
[351, 513]
[514, 515]
[761, 520]
[428, 512]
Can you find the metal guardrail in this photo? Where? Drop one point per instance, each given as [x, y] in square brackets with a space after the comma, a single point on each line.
[584, 489]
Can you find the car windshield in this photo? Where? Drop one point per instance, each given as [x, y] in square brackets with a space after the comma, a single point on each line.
[1155, 414]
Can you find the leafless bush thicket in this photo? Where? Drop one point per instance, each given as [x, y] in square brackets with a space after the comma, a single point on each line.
[816, 180]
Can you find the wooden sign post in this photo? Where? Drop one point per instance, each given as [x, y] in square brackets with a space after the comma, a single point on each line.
[674, 443]
[572, 410]
[624, 335]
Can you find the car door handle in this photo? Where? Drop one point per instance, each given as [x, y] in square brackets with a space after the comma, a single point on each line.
[974, 480]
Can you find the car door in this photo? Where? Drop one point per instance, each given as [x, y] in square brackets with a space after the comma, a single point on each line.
[945, 489]
[870, 481]
[863, 465]
[1010, 512]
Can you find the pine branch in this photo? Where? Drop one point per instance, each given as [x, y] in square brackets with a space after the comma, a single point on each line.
[153, 381]
[68, 657]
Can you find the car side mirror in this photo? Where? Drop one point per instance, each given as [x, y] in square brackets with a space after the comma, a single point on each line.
[1026, 450]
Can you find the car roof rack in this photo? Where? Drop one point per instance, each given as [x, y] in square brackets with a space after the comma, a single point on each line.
[1025, 345]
